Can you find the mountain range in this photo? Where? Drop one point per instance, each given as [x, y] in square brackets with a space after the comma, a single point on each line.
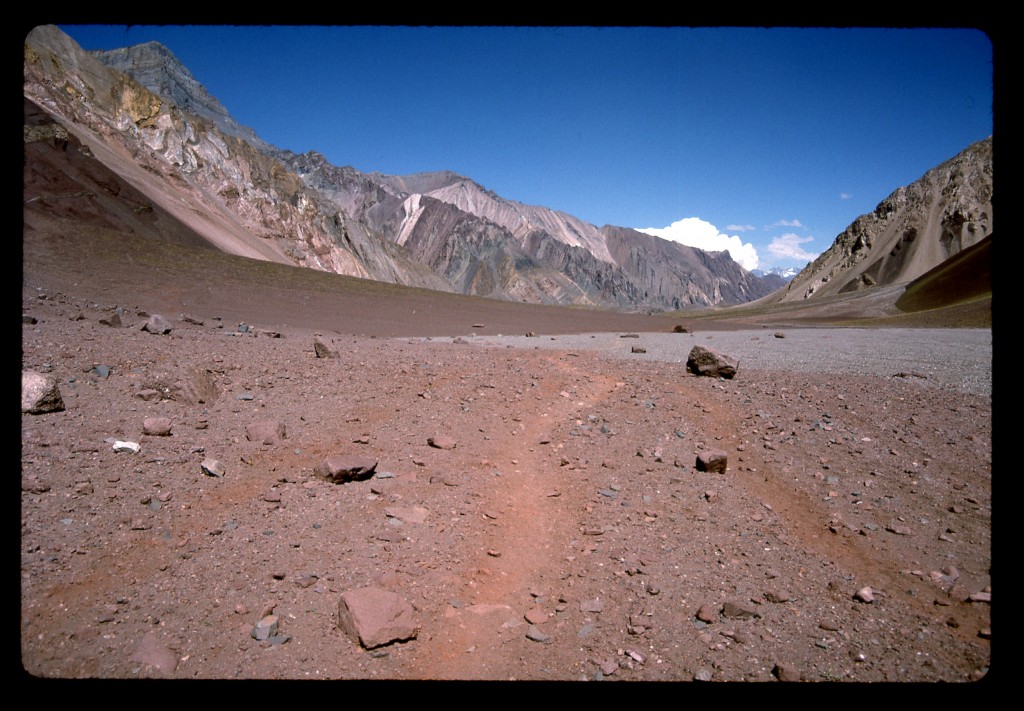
[199, 177]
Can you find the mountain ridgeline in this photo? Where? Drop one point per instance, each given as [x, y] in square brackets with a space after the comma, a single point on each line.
[141, 114]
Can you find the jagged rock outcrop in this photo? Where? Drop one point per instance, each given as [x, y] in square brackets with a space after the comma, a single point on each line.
[916, 228]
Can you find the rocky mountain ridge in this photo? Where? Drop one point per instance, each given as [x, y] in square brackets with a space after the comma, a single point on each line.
[916, 228]
[139, 111]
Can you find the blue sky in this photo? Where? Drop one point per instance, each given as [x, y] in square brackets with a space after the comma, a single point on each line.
[767, 142]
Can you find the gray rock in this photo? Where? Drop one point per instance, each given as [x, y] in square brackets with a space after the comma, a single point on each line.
[344, 468]
[157, 324]
[39, 393]
[125, 446]
[265, 628]
[374, 617]
[707, 361]
[114, 321]
[533, 633]
[714, 460]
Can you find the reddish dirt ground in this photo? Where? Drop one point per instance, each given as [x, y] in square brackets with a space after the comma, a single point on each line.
[569, 534]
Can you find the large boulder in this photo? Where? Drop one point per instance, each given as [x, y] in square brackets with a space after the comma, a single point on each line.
[375, 617]
[39, 393]
[707, 361]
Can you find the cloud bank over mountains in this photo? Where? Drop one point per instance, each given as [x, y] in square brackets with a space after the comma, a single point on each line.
[695, 232]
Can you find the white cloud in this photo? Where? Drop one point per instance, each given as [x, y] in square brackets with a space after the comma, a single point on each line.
[740, 228]
[845, 196]
[788, 247]
[786, 223]
[695, 232]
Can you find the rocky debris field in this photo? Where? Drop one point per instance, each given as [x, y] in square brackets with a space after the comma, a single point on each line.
[221, 500]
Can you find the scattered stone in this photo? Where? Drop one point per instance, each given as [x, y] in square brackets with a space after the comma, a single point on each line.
[714, 460]
[322, 351]
[784, 672]
[706, 361]
[410, 514]
[780, 334]
[703, 675]
[345, 468]
[375, 617]
[591, 605]
[865, 594]
[777, 596]
[980, 597]
[212, 467]
[736, 611]
[638, 349]
[441, 442]
[679, 328]
[123, 446]
[39, 393]
[536, 616]
[187, 318]
[533, 633]
[630, 335]
[266, 432]
[102, 371]
[265, 628]
[157, 324]
[157, 426]
[151, 652]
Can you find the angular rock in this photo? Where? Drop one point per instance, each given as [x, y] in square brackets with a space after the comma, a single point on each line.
[212, 467]
[534, 633]
[736, 611]
[714, 460]
[441, 442]
[409, 514]
[343, 468]
[151, 652]
[157, 426]
[114, 320]
[679, 328]
[39, 393]
[707, 361]
[322, 351]
[266, 432]
[638, 349]
[865, 594]
[157, 324]
[374, 617]
[265, 628]
[124, 446]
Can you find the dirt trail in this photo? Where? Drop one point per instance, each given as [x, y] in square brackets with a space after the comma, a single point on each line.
[529, 516]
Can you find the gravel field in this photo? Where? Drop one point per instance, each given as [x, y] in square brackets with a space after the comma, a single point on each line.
[959, 359]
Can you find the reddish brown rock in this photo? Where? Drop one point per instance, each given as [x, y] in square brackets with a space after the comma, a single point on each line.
[374, 617]
[343, 468]
[714, 460]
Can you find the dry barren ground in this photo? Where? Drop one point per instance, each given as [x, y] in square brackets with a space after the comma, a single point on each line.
[568, 535]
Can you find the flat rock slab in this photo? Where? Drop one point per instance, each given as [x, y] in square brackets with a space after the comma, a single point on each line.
[375, 617]
[441, 442]
[266, 431]
[346, 467]
[157, 426]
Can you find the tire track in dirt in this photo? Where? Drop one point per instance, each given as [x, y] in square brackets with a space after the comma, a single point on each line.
[521, 548]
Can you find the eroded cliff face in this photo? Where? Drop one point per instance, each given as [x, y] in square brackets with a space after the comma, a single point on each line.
[142, 114]
[916, 228]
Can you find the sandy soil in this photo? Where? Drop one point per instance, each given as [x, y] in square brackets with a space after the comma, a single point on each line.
[569, 535]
